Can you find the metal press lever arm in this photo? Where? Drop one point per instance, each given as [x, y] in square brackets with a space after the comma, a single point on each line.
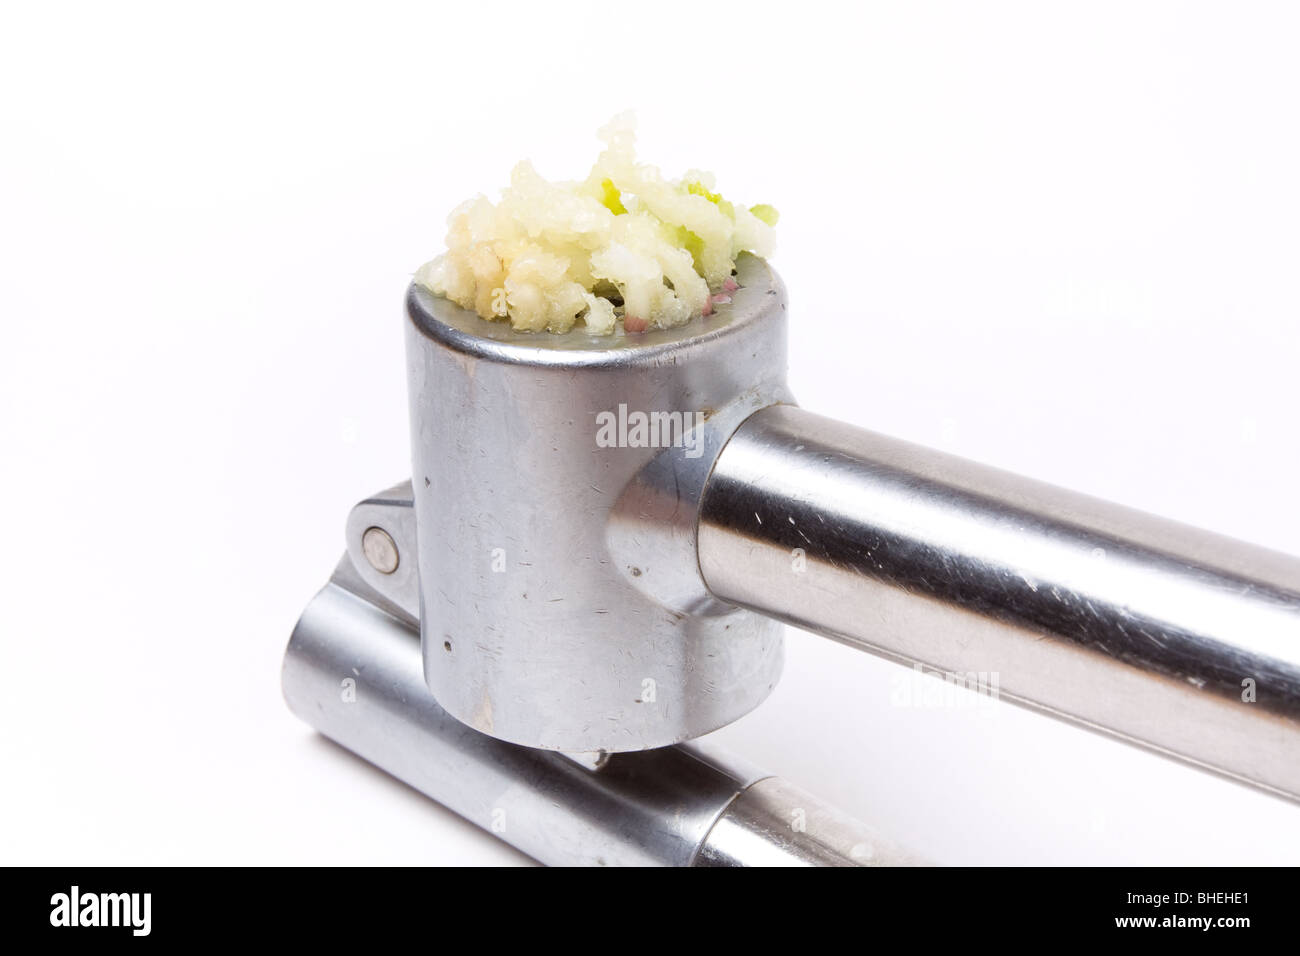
[1170, 637]
[353, 671]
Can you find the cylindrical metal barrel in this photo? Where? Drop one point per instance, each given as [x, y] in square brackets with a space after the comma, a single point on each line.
[555, 480]
[1168, 636]
[353, 672]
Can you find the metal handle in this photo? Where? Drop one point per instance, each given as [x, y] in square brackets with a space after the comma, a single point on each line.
[353, 671]
[1171, 637]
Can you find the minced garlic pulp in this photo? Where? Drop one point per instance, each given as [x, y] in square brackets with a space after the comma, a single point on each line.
[622, 245]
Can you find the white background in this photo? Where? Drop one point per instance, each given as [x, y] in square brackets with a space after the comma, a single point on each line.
[1058, 239]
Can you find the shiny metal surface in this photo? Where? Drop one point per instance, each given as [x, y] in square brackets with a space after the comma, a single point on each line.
[353, 671]
[561, 601]
[525, 630]
[391, 512]
[380, 550]
[1181, 640]
[775, 823]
